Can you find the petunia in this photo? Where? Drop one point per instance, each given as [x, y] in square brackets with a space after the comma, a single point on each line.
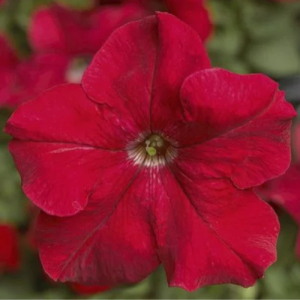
[78, 33]
[151, 160]
[9, 248]
[28, 78]
[8, 63]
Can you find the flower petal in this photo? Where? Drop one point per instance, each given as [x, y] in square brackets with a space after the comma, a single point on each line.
[65, 115]
[8, 57]
[194, 13]
[59, 177]
[284, 191]
[9, 248]
[88, 290]
[143, 79]
[115, 245]
[77, 33]
[208, 232]
[241, 127]
[37, 74]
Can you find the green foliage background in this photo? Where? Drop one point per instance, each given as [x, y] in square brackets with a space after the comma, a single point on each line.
[250, 36]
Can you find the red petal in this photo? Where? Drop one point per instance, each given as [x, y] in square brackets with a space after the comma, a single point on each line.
[285, 191]
[242, 124]
[8, 57]
[58, 148]
[144, 78]
[115, 245]
[210, 233]
[59, 177]
[194, 13]
[49, 19]
[65, 115]
[88, 290]
[8, 64]
[79, 33]
[33, 76]
[9, 248]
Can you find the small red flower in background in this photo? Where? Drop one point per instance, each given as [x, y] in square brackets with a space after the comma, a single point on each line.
[78, 33]
[8, 63]
[9, 248]
[88, 290]
[152, 160]
[21, 80]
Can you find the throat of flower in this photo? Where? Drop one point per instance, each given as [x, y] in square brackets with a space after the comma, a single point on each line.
[154, 150]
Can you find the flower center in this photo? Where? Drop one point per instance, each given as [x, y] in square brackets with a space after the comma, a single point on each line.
[155, 145]
[152, 150]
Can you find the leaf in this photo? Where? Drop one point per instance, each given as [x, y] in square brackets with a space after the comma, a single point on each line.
[276, 57]
[12, 202]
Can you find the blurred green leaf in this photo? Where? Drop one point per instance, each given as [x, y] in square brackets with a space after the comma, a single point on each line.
[264, 20]
[279, 57]
[77, 4]
[12, 202]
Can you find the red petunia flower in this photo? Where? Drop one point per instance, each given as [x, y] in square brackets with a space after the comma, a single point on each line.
[28, 78]
[78, 33]
[151, 160]
[9, 248]
[8, 63]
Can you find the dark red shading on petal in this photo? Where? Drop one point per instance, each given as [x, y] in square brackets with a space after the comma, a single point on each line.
[9, 248]
[116, 244]
[180, 52]
[194, 13]
[143, 78]
[77, 33]
[208, 232]
[88, 290]
[242, 123]
[121, 73]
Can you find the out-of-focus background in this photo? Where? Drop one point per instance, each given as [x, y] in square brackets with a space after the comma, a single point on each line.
[47, 42]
